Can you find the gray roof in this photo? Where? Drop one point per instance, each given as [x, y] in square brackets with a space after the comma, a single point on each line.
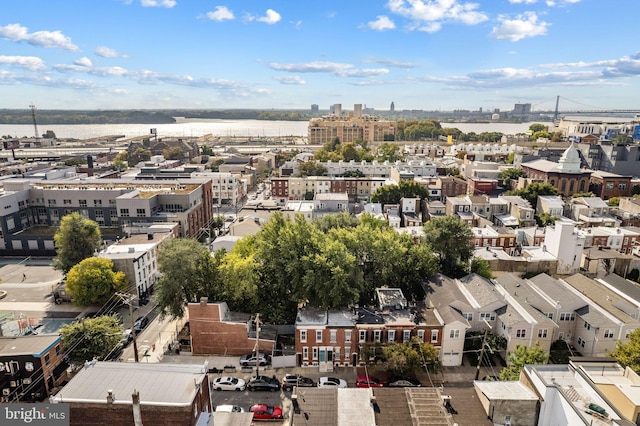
[441, 291]
[502, 391]
[630, 288]
[481, 289]
[311, 316]
[598, 293]
[27, 345]
[340, 318]
[592, 316]
[527, 298]
[556, 291]
[158, 384]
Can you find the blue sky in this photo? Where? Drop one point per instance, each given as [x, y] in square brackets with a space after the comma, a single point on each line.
[420, 54]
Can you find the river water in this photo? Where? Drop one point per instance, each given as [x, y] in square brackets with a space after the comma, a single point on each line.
[201, 127]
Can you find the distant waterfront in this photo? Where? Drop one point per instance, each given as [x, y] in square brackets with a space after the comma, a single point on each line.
[222, 128]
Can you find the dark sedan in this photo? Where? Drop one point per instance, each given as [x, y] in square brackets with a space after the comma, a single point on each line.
[263, 383]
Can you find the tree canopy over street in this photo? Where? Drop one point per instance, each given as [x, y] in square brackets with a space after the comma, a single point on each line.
[332, 262]
[450, 239]
[91, 338]
[76, 239]
[522, 356]
[93, 281]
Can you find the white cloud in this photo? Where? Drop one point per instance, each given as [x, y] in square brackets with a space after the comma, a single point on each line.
[290, 79]
[335, 68]
[270, 18]
[158, 3]
[30, 63]
[429, 15]
[107, 52]
[49, 39]
[523, 1]
[83, 62]
[297, 24]
[222, 13]
[523, 26]
[390, 63]
[381, 24]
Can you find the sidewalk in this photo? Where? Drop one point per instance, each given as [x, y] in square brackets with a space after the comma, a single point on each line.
[154, 341]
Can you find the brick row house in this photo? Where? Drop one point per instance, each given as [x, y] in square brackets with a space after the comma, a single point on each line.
[340, 337]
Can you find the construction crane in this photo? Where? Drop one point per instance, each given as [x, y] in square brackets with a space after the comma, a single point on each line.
[35, 123]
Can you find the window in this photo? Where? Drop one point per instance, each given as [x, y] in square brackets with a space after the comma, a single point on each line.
[318, 335]
[468, 316]
[51, 202]
[376, 335]
[97, 203]
[57, 350]
[303, 336]
[66, 202]
[434, 335]
[141, 212]
[315, 353]
[391, 336]
[406, 335]
[47, 359]
[581, 342]
[566, 316]
[454, 334]
[305, 352]
[608, 334]
[609, 185]
[542, 333]
[587, 325]
[363, 335]
[336, 353]
[521, 334]
[347, 336]
[550, 315]
[83, 203]
[124, 212]
[488, 316]
[347, 353]
[622, 186]
[333, 336]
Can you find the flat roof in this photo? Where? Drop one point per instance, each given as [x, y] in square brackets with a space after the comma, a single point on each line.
[158, 384]
[510, 390]
[27, 345]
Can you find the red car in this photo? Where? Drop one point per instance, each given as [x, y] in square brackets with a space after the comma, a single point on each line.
[368, 382]
[266, 412]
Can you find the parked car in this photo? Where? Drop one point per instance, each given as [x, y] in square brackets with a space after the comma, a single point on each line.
[404, 383]
[228, 383]
[368, 382]
[291, 380]
[251, 359]
[263, 383]
[127, 337]
[140, 324]
[331, 382]
[266, 412]
[229, 409]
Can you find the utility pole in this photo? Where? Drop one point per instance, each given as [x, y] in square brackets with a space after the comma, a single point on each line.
[128, 300]
[257, 347]
[484, 342]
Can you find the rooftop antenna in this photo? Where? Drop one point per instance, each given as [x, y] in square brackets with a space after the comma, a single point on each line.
[35, 123]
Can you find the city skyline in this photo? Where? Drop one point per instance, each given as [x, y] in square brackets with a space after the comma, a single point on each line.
[420, 54]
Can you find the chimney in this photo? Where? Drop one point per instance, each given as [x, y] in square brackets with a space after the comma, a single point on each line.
[137, 413]
[204, 300]
[110, 396]
[150, 236]
[89, 162]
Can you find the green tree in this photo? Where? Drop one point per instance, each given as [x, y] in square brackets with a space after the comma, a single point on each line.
[545, 219]
[531, 192]
[450, 240]
[173, 153]
[140, 154]
[582, 195]
[453, 171]
[389, 152]
[392, 194]
[119, 165]
[206, 150]
[481, 267]
[509, 175]
[91, 338]
[49, 134]
[510, 157]
[331, 221]
[402, 359]
[614, 201]
[537, 127]
[628, 353]
[189, 272]
[312, 168]
[520, 357]
[76, 239]
[93, 281]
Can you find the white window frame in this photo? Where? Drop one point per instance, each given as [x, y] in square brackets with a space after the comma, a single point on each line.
[363, 335]
[391, 336]
[406, 336]
[318, 335]
[347, 336]
[305, 352]
[303, 336]
[314, 352]
[333, 336]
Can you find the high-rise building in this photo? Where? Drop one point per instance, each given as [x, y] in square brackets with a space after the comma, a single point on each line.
[314, 108]
[393, 107]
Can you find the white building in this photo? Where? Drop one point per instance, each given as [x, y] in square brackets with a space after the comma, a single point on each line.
[563, 242]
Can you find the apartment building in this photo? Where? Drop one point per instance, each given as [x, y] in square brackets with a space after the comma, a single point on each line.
[305, 188]
[350, 128]
[591, 211]
[31, 208]
[606, 184]
[619, 239]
